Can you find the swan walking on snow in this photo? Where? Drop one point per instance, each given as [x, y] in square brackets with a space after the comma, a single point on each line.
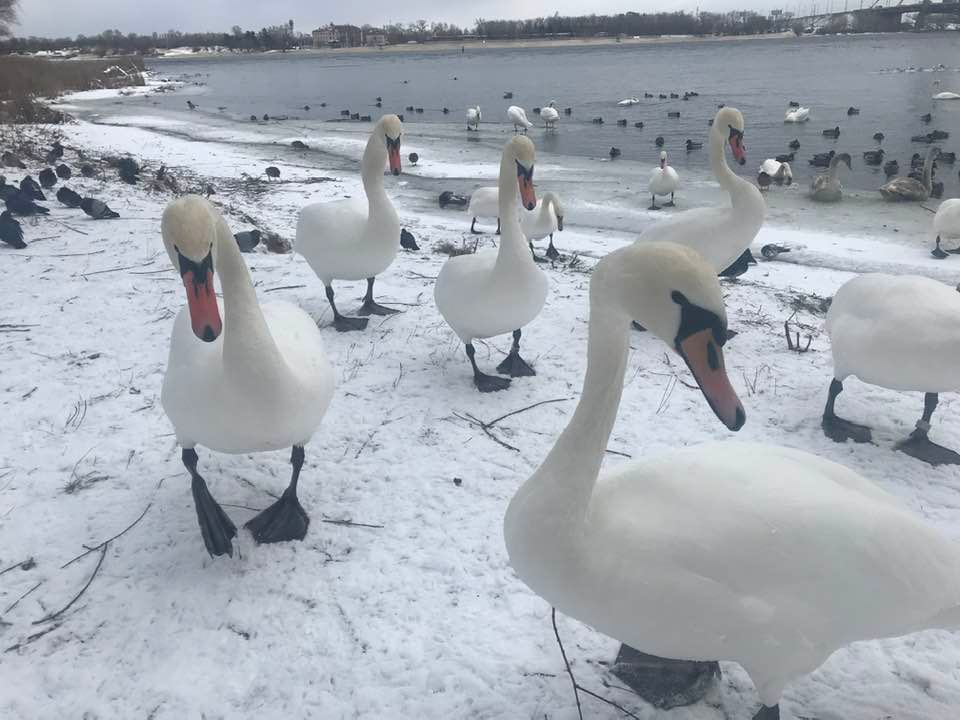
[664, 180]
[356, 239]
[473, 118]
[767, 556]
[258, 380]
[898, 332]
[519, 118]
[544, 220]
[493, 292]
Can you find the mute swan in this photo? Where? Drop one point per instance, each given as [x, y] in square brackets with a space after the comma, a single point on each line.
[776, 171]
[257, 381]
[898, 332]
[549, 115]
[907, 189]
[627, 102]
[663, 181]
[493, 292]
[484, 202]
[946, 225]
[353, 239]
[947, 96]
[797, 115]
[768, 556]
[721, 235]
[545, 219]
[826, 187]
[473, 118]
[519, 118]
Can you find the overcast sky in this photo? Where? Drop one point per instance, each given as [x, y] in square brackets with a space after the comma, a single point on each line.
[68, 17]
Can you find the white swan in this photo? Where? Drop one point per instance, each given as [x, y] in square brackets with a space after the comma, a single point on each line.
[356, 239]
[473, 118]
[257, 381]
[826, 187]
[947, 96]
[543, 221]
[797, 115]
[484, 202]
[899, 332]
[774, 171]
[519, 118]
[768, 556]
[946, 225]
[627, 102]
[664, 180]
[721, 235]
[549, 115]
[493, 292]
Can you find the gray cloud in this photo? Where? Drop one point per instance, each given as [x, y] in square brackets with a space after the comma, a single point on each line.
[58, 18]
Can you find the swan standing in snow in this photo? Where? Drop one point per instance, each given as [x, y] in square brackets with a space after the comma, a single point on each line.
[826, 187]
[721, 235]
[663, 181]
[519, 118]
[908, 189]
[493, 292]
[899, 332]
[797, 115]
[258, 380]
[484, 202]
[768, 556]
[473, 118]
[544, 220]
[946, 227]
[356, 239]
[774, 171]
[549, 115]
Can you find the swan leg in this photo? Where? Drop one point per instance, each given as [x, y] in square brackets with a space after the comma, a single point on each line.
[938, 252]
[485, 383]
[514, 365]
[285, 519]
[369, 307]
[552, 252]
[663, 682]
[653, 203]
[498, 226]
[217, 529]
[918, 445]
[473, 227]
[341, 322]
[536, 258]
[637, 326]
[671, 203]
[836, 428]
[768, 712]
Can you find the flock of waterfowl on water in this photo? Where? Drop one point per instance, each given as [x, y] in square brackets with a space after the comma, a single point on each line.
[768, 556]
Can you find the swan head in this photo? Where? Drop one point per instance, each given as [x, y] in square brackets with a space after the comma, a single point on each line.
[728, 122]
[663, 158]
[524, 154]
[391, 128]
[189, 229]
[674, 293]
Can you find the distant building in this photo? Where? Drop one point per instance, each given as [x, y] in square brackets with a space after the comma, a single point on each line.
[337, 36]
[375, 38]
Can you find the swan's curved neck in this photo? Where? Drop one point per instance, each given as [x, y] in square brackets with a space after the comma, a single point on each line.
[928, 171]
[728, 179]
[512, 246]
[249, 351]
[371, 171]
[561, 488]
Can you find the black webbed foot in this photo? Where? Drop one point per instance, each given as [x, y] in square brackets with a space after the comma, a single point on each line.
[348, 324]
[490, 383]
[515, 366]
[840, 430]
[920, 446]
[284, 520]
[663, 682]
[370, 307]
[216, 528]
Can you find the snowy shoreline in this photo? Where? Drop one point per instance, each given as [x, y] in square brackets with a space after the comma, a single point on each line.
[421, 617]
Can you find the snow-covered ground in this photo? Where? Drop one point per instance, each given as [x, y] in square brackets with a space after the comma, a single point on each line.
[420, 615]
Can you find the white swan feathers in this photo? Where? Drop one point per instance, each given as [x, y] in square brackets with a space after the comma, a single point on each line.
[768, 556]
[493, 292]
[485, 202]
[797, 115]
[946, 223]
[518, 117]
[719, 234]
[357, 238]
[664, 180]
[544, 220]
[900, 332]
[259, 380]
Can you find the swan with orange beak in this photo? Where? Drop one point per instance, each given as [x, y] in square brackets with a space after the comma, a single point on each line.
[257, 380]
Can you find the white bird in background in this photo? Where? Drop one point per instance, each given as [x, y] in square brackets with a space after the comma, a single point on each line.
[628, 101]
[947, 96]
[473, 118]
[519, 118]
[774, 171]
[946, 227]
[797, 115]
[664, 180]
[549, 115]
